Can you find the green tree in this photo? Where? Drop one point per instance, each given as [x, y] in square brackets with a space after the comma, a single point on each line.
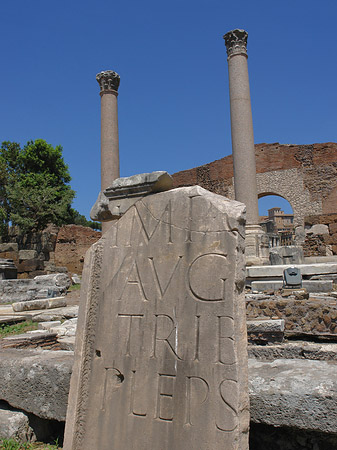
[34, 186]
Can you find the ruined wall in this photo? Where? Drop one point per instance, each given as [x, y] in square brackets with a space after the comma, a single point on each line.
[305, 175]
[55, 249]
[71, 245]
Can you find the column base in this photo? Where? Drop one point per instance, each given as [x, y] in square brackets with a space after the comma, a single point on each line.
[257, 246]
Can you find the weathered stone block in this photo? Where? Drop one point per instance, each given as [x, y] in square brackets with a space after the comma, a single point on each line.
[15, 425]
[9, 247]
[296, 393]
[286, 255]
[36, 381]
[161, 351]
[333, 228]
[9, 255]
[48, 303]
[318, 229]
[27, 254]
[265, 331]
[29, 265]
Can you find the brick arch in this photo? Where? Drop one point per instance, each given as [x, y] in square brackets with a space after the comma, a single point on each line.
[289, 184]
[266, 194]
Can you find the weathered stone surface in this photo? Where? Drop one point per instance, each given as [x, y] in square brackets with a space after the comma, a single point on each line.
[286, 255]
[161, 350]
[15, 425]
[36, 381]
[56, 279]
[318, 229]
[27, 254]
[30, 265]
[9, 247]
[294, 350]
[48, 325]
[33, 305]
[300, 393]
[68, 328]
[68, 312]
[265, 331]
[41, 286]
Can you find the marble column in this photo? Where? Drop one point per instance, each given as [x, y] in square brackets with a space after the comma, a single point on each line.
[243, 144]
[108, 81]
[242, 124]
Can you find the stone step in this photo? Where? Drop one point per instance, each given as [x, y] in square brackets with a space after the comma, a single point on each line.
[294, 350]
[277, 270]
[33, 339]
[309, 285]
[302, 393]
[263, 331]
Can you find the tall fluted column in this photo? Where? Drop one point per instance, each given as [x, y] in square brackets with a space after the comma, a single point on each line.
[242, 124]
[109, 82]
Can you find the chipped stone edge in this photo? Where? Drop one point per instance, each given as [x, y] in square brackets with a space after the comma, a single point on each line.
[84, 345]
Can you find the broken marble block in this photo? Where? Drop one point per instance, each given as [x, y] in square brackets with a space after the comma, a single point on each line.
[114, 201]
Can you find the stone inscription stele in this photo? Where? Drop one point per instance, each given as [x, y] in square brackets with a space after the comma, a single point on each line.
[161, 357]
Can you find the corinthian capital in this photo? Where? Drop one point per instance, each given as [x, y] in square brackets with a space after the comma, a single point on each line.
[236, 42]
[108, 80]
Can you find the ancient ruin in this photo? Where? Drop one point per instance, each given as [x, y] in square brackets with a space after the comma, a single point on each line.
[161, 351]
[163, 328]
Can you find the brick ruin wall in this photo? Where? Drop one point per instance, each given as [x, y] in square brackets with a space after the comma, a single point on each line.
[305, 175]
[56, 249]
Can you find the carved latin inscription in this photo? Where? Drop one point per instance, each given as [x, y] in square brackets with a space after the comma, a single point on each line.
[167, 365]
[204, 287]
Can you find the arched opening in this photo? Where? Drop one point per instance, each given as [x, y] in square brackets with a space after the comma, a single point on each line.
[277, 219]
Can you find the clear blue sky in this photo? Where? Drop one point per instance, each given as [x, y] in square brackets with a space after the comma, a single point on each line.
[173, 96]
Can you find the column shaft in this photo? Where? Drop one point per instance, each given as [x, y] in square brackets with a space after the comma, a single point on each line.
[108, 81]
[243, 137]
[242, 124]
[109, 139]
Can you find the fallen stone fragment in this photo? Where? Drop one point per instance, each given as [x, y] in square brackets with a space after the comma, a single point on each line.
[67, 343]
[294, 350]
[265, 331]
[15, 425]
[48, 325]
[55, 314]
[32, 305]
[39, 287]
